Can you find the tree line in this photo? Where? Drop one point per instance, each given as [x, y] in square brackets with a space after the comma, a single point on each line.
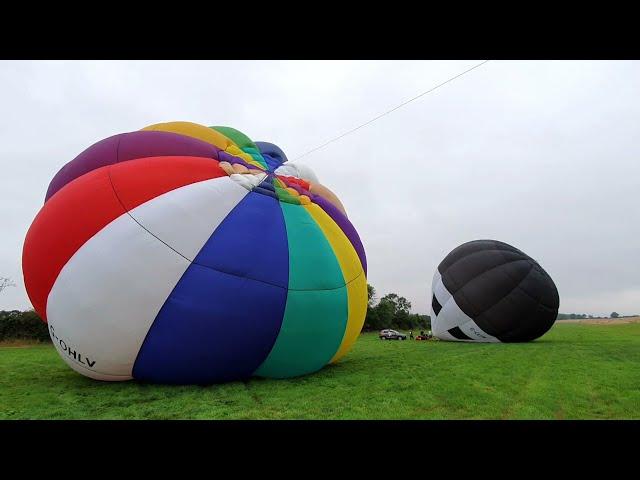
[392, 311]
[17, 325]
[580, 316]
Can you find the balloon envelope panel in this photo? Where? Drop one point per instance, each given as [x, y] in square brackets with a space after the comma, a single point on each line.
[177, 254]
[489, 291]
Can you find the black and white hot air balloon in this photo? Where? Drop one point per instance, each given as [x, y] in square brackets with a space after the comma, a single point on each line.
[489, 291]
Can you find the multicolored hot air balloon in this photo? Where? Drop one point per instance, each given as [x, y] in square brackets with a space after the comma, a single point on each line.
[489, 291]
[187, 254]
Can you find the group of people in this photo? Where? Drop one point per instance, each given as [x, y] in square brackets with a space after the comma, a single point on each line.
[411, 334]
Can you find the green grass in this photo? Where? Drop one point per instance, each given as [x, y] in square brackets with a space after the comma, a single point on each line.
[576, 371]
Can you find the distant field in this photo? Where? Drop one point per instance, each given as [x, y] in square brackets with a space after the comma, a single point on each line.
[576, 371]
[603, 321]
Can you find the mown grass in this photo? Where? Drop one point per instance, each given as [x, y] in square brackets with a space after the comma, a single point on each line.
[576, 371]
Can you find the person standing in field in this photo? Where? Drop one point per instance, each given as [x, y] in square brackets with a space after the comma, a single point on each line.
[411, 334]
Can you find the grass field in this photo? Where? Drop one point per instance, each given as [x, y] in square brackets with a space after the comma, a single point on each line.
[576, 371]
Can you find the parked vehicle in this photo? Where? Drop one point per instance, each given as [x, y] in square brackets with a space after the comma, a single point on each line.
[388, 334]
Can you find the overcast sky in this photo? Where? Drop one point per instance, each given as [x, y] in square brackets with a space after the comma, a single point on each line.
[544, 155]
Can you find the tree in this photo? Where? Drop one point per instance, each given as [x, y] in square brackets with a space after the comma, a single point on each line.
[6, 282]
[371, 295]
[385, 314]
[614, 315]
[372, 320]
[400, 304]
[392, 311]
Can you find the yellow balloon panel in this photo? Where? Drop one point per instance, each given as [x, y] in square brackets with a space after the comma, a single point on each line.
[357, 295]
[354, 277]
[194, 130]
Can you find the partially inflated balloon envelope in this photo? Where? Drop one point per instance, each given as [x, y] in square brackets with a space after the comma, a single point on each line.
[190, 254]
[489, 291]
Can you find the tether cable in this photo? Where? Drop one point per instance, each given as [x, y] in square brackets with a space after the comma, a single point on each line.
[388, 111]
